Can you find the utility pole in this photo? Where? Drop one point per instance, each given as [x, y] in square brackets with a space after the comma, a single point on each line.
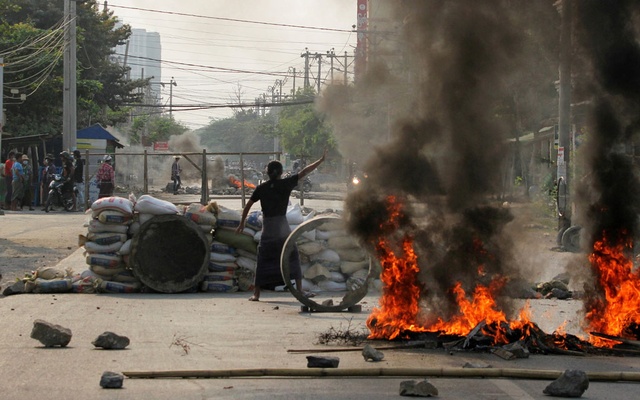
[294, 80]
[306, 67]
[564, 117]
[319, 57]
[331, 54]
[1, 100]
[69, 124]
[172, 83]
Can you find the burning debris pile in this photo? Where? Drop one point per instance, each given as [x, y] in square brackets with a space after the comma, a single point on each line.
[425, 211]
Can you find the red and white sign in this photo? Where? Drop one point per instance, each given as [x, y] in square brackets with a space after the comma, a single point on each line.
[161, 146]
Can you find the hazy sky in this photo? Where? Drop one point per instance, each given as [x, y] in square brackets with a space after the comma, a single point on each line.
[262, 53]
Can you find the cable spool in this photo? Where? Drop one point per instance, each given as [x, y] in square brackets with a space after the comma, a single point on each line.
[170, 254]
[350, 299]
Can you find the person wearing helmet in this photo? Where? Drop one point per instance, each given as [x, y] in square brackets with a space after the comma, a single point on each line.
[106, 177]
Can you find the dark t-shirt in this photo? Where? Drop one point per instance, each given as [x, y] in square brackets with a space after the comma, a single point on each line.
[274, 195]
[78, 174]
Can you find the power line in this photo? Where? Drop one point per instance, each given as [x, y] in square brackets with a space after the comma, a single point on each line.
[233, 19]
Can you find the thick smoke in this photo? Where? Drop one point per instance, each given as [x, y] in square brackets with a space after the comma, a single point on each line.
[444, 157]
[609, 191]
[610, 188]
[159, 165]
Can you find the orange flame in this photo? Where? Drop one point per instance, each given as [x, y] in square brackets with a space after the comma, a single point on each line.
[238, 184]
[620, 306]
[399, 306]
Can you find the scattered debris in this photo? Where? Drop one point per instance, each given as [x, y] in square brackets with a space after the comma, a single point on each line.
[50, 335]
[504, 354]
[517, 349]
[111, 341]
[572, 383]
[370, 353]
[418, 389]
[340, 336]
[183, 343]
[111, 380]
[322, 362]
[477, 364]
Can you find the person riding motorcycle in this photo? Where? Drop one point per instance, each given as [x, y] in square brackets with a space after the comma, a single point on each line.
[67, 171]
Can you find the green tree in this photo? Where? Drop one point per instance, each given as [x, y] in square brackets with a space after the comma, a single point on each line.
[146, 130]
[32, 41]
[302, 129]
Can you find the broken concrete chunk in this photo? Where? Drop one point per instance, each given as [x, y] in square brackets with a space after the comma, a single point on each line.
[418, 389]
[322, 362]
[50, 335]
[517, 349]
[111, 341]
[572, 383]
[504, 354]
[370, 353]
[111, 380]
[477, 364]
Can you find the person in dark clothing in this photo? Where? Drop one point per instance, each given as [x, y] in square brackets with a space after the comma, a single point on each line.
[274, 198]
[176, 169]
[78, 180]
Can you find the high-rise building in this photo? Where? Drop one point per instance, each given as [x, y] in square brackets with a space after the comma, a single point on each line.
[143, 54]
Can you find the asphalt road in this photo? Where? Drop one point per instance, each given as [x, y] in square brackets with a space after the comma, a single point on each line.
[209, 331]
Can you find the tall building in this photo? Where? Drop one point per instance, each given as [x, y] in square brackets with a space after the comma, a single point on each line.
[143, 54]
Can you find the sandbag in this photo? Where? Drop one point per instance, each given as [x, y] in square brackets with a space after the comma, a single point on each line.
[52, 285]
[220, 276]
[317, 273]
[342, 242]
[331, 286]
[104, 286]
[247, 254]
[352, 254]
[114, 217]
[219, 286]
[49, 273]
[333, 225]
[325, 235]
[361, 274]
[310, 248]
[125, 276]
[219, 247]
[247, 263]
[113, 203]
[142, 218]
[222, 267]
[84, 285]
[349, 267]
[228, 218]
[125, 249]
[221, 257]
[254, 220]
[106, 271]
[200, 214]
[95, 226]
[294, 215]
[102, 238]
[108, 260]
[236, 240]
[134, 228]
[337, 277]
[327, 255]
[92, 247]
[150, 205]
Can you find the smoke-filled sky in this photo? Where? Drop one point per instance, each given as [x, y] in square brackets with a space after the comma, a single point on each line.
[260, 53]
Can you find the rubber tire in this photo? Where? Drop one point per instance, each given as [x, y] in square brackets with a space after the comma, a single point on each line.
[571, 239]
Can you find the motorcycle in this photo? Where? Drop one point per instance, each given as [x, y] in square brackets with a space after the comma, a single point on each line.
[306, 183]
[58, 197]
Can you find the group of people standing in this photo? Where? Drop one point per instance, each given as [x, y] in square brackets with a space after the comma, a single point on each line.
[19, 178]
[18, 175]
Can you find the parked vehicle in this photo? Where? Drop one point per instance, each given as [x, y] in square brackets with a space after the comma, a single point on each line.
[57, 197]
[306, 183]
